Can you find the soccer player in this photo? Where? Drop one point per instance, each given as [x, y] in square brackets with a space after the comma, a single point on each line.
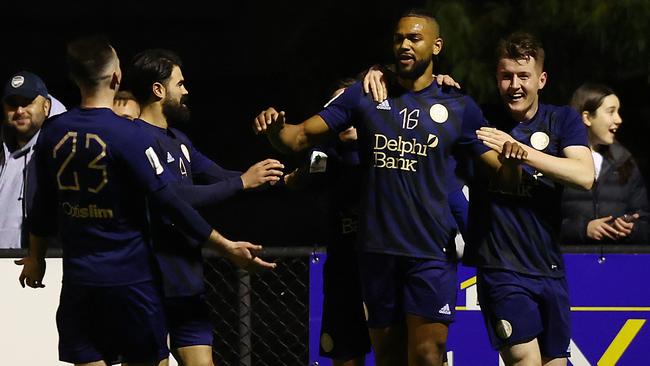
[159, 87]
[521, 279]
[125, 105]
[93, 170]
[332, 168]
[407, 231]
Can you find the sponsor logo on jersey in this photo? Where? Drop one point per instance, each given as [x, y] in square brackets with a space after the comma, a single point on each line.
[384, 105]
[445, 310]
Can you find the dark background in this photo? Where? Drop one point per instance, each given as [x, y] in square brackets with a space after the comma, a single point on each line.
[241, 57]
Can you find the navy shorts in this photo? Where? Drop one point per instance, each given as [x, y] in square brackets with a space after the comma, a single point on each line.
[518, 308]
[344, 332]
[394, 286]
[188, 320]
[115, 324]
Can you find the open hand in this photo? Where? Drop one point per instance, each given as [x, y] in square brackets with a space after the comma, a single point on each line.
[269, 170]
[32, 273]
[243, 255]
[266, 119]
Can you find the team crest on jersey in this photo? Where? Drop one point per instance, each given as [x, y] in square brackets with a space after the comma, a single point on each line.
[503, 329]
[186, 152]
[539, 140]
[439, 113]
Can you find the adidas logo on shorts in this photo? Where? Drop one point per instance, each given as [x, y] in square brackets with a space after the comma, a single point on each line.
[445, 310]
[384, 105]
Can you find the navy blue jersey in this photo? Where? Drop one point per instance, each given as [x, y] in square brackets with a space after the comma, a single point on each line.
[519, 232]
[93, 170]
[333, 169]
[404, 145]
[181, 265]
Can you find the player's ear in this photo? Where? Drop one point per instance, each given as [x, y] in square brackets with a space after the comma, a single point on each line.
[158, 90]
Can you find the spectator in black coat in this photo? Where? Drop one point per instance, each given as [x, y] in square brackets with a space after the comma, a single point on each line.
[615, 210]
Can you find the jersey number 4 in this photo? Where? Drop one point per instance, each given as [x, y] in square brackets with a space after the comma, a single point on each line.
[92, 140]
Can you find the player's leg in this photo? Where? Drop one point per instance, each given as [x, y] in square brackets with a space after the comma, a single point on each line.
[193, 356]
[344, 332]
[427, 341]
[357, 361]
[190, 330]
[554, 361]
[381, 285]
[429, 302]
[555, 339]
[135, 324]
[390, 345]
[522, 354]
[79, 323]
[510, 307]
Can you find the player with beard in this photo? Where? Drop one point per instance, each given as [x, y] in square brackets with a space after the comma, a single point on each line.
[94, 170]
[157, 83]
[406, 260]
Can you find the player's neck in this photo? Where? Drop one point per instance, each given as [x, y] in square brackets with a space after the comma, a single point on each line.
[97, 98]
[154, 116]
[418, 84]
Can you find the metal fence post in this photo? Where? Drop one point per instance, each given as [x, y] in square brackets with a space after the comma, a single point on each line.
[244, 296]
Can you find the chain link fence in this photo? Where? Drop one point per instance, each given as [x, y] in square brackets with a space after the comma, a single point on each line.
[261, 318]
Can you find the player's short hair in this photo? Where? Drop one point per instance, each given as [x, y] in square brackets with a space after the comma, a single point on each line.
[90, 60]
[149, 67]
[521, 46]
[422, 13]
[124, 95]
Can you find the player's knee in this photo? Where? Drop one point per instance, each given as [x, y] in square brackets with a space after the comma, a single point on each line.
[200, 361]
[428, 353]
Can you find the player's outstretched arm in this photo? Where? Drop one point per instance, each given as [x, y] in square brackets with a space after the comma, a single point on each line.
[202, 195]
[34, 264]
[575, 169]
[241, 253]
[287, 137]
[265, 171]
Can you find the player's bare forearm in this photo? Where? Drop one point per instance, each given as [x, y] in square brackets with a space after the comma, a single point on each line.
[37, 246]
[576, 170]
[287, 138]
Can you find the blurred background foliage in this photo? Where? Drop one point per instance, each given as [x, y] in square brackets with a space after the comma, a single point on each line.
[604, 41]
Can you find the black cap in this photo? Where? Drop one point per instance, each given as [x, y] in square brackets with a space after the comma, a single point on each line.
[25, 84]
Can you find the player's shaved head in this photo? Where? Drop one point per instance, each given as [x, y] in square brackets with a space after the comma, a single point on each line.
[422, 13]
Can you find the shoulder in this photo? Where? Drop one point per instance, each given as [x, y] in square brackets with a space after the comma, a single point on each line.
[560, 112]
[180, 135]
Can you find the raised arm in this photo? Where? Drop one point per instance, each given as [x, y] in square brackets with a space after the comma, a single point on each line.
[575, 169]
[505, 164]
[287, 137]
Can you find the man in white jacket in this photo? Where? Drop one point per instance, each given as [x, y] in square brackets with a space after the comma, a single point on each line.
[26, 104]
